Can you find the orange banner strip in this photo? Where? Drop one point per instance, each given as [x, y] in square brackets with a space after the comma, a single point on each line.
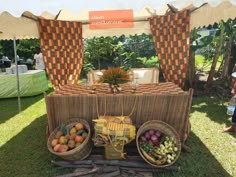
[111, 19]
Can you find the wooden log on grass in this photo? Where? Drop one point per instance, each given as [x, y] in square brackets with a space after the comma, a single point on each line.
[135, 165]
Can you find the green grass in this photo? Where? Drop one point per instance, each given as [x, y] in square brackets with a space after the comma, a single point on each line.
[23, 150]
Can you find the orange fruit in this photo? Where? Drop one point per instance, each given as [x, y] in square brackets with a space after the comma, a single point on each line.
[79, 139]
[79, 126]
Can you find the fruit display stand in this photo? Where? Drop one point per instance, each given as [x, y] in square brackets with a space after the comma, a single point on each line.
[112, 164]
[164, 101]
[133, 164]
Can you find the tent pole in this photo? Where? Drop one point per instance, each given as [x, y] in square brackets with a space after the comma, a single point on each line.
[17, 75]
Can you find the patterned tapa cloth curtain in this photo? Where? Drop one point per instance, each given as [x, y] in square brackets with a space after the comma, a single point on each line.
[62, 49]
[171, 35]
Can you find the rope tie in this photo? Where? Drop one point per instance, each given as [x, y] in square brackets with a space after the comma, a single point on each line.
[121, 122]
[122, 106]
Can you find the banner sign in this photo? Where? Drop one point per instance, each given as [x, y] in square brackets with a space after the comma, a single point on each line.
[111, 19]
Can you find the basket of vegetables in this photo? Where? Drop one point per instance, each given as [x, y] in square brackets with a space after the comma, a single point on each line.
[71, 141]
[158, 143]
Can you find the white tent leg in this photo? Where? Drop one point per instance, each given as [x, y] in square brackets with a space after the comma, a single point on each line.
[17, 75]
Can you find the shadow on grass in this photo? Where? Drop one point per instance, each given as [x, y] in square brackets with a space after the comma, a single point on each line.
[26, 154]
[213, 107]
[9, 106]
[198, 163]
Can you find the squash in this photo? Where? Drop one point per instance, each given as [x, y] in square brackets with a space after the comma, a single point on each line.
[58, 134]
[72, 136]
[54, 142]
[62, 140]
[71, 144]
[56, 148]
[84, 135]
[79, 126]
[63, 148]
[73, 130]
[79, 139]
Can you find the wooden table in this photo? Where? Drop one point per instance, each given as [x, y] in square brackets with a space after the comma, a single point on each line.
[163, 101]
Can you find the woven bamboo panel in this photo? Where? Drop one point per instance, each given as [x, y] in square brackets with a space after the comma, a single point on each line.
[170, 108]
[161, 88]
[171, 35]
[62, 48]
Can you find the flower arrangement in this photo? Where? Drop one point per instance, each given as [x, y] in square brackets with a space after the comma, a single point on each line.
[114, 76]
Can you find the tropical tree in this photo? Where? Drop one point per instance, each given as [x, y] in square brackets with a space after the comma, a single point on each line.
[118, 51]
[98, 51]
[197, 42]
[218, 44]
[25, 48]
[229, 37]
[7, 48]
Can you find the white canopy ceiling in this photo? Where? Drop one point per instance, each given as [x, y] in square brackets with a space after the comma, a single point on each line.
[23, 27]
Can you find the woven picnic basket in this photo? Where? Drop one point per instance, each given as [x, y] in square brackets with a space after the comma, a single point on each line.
[112, 126]
[166, 130]
[78, 153]
[114, 153]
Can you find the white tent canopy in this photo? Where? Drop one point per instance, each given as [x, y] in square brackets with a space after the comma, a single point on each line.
[22, 27]
[201, 15]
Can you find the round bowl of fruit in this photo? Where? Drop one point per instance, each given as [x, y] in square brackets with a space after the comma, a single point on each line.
[158, 143]
[71, 140]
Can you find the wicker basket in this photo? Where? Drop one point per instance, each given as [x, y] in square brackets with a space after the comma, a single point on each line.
[165, 129]
[115, 150]
[112, 153]
[78, 153]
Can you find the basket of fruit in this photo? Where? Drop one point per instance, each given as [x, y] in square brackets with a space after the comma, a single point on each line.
[158, 143]
[71, 141]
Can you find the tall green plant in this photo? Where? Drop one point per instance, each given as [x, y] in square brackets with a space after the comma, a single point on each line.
[25, 48]
[118, 51]
[218, 43]
[196, 42]
[230, 37]
[7, 48]
[99, 51]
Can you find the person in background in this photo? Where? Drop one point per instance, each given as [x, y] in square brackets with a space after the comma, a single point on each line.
[38, 59]
[232, 128]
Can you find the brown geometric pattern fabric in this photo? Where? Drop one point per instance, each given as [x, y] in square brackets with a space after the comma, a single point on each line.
[62, 49]
[143, 89]
[171, 35]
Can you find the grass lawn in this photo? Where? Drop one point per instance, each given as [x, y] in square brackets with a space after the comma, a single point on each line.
[23, 150]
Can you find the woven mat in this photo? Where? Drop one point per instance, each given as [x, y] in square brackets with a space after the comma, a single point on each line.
[143, 89]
